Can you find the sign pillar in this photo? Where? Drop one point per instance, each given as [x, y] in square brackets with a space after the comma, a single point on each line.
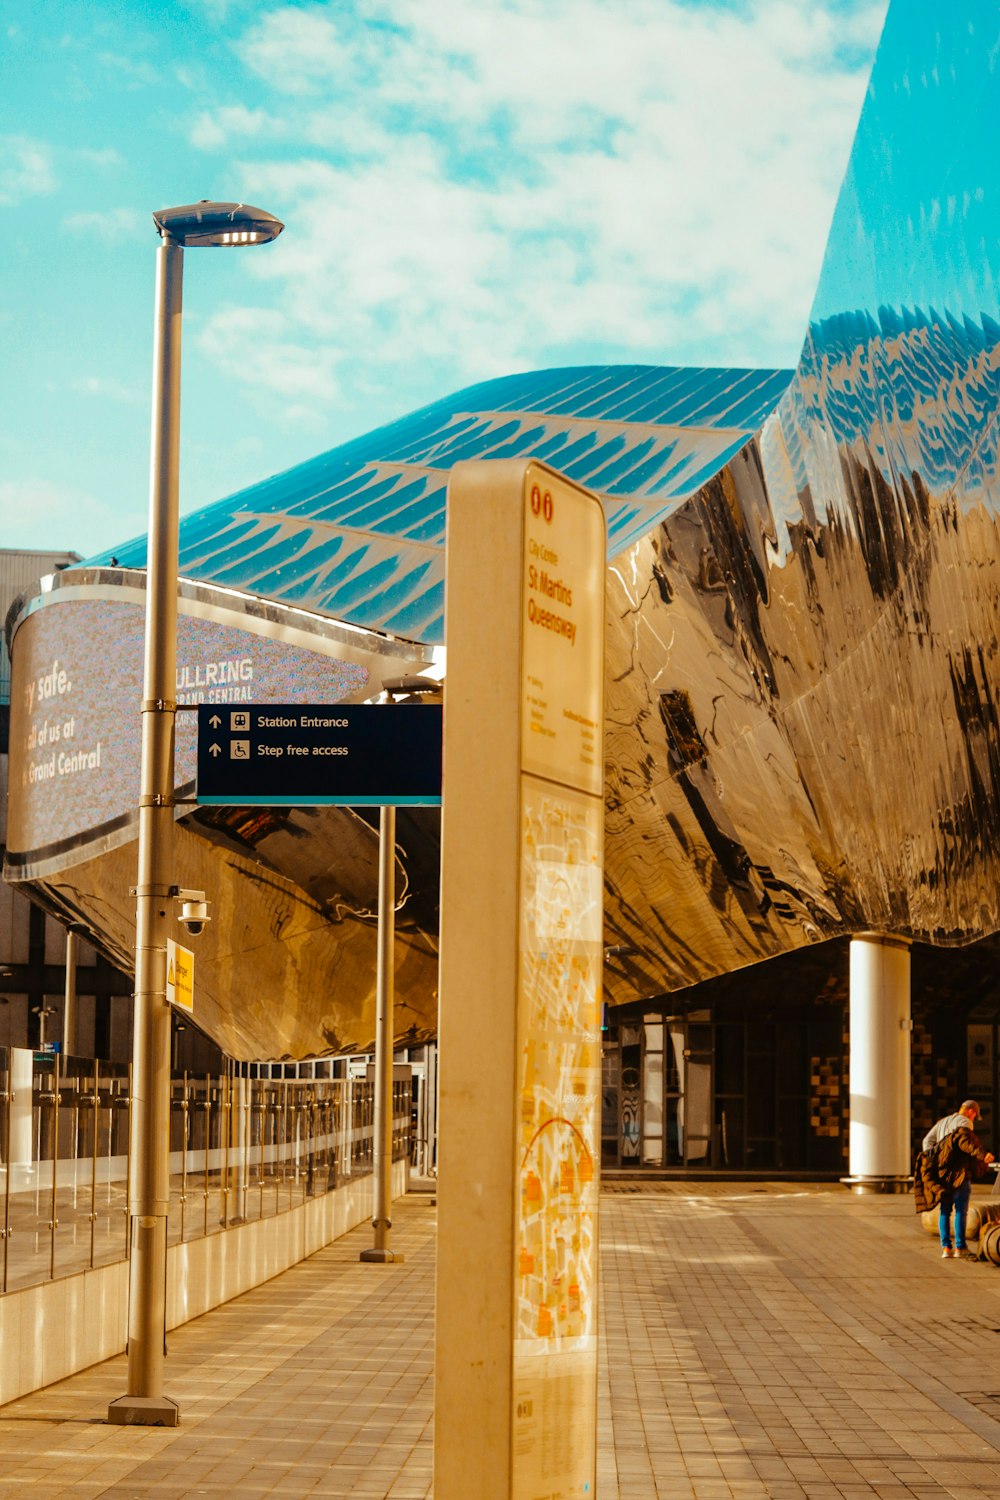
[521, 966]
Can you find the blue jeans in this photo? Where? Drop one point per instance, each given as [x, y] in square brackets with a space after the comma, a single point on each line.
[957, 1199]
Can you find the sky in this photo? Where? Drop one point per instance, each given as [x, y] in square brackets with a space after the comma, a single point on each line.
[468, 190]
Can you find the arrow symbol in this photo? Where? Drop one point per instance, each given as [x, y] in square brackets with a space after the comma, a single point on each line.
[214, 749]
[215, 721]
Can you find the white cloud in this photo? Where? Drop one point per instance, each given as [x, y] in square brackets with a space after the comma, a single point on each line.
[213, 129]
[304, 51]
[25, 169]
[252, 347]
[476, 189]
[103, 389]
[35, 515]
[130, 70]
[105, 159]
[109, 224]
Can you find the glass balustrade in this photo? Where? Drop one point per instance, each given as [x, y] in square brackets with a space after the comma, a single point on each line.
[242, 1147]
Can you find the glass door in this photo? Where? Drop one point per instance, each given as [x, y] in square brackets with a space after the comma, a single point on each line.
[630, 1095]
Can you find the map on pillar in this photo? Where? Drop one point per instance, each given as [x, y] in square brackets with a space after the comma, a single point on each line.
[555, 1264]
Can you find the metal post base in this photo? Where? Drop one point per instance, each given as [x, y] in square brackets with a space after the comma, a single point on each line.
[144, 1411]
[865, 1184]
[382, 1257]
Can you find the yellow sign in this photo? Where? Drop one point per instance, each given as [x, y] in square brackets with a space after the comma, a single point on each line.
[180, 976]
[562, 651]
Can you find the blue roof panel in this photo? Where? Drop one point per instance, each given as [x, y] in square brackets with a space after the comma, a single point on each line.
[359, 532]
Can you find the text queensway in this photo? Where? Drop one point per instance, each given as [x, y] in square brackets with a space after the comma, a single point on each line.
[558, 592]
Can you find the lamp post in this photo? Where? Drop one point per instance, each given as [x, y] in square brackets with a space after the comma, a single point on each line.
[209, 224]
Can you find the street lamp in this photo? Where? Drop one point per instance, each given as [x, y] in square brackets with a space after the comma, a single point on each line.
[216, 224]
[212, 224]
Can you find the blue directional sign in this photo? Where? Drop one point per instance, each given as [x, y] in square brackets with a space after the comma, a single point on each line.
[299, 755]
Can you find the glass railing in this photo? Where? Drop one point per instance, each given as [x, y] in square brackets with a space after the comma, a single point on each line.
[241, 1148]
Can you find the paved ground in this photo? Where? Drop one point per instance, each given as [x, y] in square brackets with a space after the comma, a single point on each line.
[779, 1341]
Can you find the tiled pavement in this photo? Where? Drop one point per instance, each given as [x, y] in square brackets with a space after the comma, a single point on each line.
[780, 1341]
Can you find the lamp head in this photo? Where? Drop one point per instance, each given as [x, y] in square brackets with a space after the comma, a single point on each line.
[215, 224]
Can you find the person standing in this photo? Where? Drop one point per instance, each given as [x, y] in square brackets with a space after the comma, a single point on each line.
[951, 1157]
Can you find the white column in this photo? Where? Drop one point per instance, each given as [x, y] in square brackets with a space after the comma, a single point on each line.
[21, 1132]
[880, 1064]
[69, 1003]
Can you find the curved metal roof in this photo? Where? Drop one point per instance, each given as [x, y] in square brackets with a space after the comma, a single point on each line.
[359, 531]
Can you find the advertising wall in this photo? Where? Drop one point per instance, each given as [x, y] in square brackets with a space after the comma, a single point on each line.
[77, 688]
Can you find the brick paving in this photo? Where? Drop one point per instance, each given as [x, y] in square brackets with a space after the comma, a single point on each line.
[776, 1341]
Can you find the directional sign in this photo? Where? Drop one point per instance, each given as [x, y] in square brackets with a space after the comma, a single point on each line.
[295, 755]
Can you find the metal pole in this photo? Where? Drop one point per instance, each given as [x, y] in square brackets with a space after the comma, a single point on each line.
[54, 1221]
[95, 1115]
[7, 1099]
[69, 1004]
[382, 1212]
[149, 1144]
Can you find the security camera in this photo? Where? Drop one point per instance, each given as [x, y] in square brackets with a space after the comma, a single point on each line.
[194, 916]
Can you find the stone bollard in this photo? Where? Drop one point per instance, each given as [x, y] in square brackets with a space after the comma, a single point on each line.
[989, 1244]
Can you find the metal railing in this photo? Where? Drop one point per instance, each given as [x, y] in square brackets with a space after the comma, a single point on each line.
[241, 1148]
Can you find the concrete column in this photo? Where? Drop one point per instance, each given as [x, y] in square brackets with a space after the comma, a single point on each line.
[880, 1065]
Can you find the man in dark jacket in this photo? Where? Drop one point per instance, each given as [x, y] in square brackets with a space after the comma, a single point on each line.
[945, 1168]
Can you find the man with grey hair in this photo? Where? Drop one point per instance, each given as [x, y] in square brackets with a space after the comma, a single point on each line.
[958, 1154]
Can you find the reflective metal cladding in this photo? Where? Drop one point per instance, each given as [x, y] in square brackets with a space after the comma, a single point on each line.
[802, 603]
[803, 677]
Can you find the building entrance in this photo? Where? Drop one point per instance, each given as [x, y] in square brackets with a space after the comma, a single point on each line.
[749, 1072]
[658, 1092]
[727, 1086]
